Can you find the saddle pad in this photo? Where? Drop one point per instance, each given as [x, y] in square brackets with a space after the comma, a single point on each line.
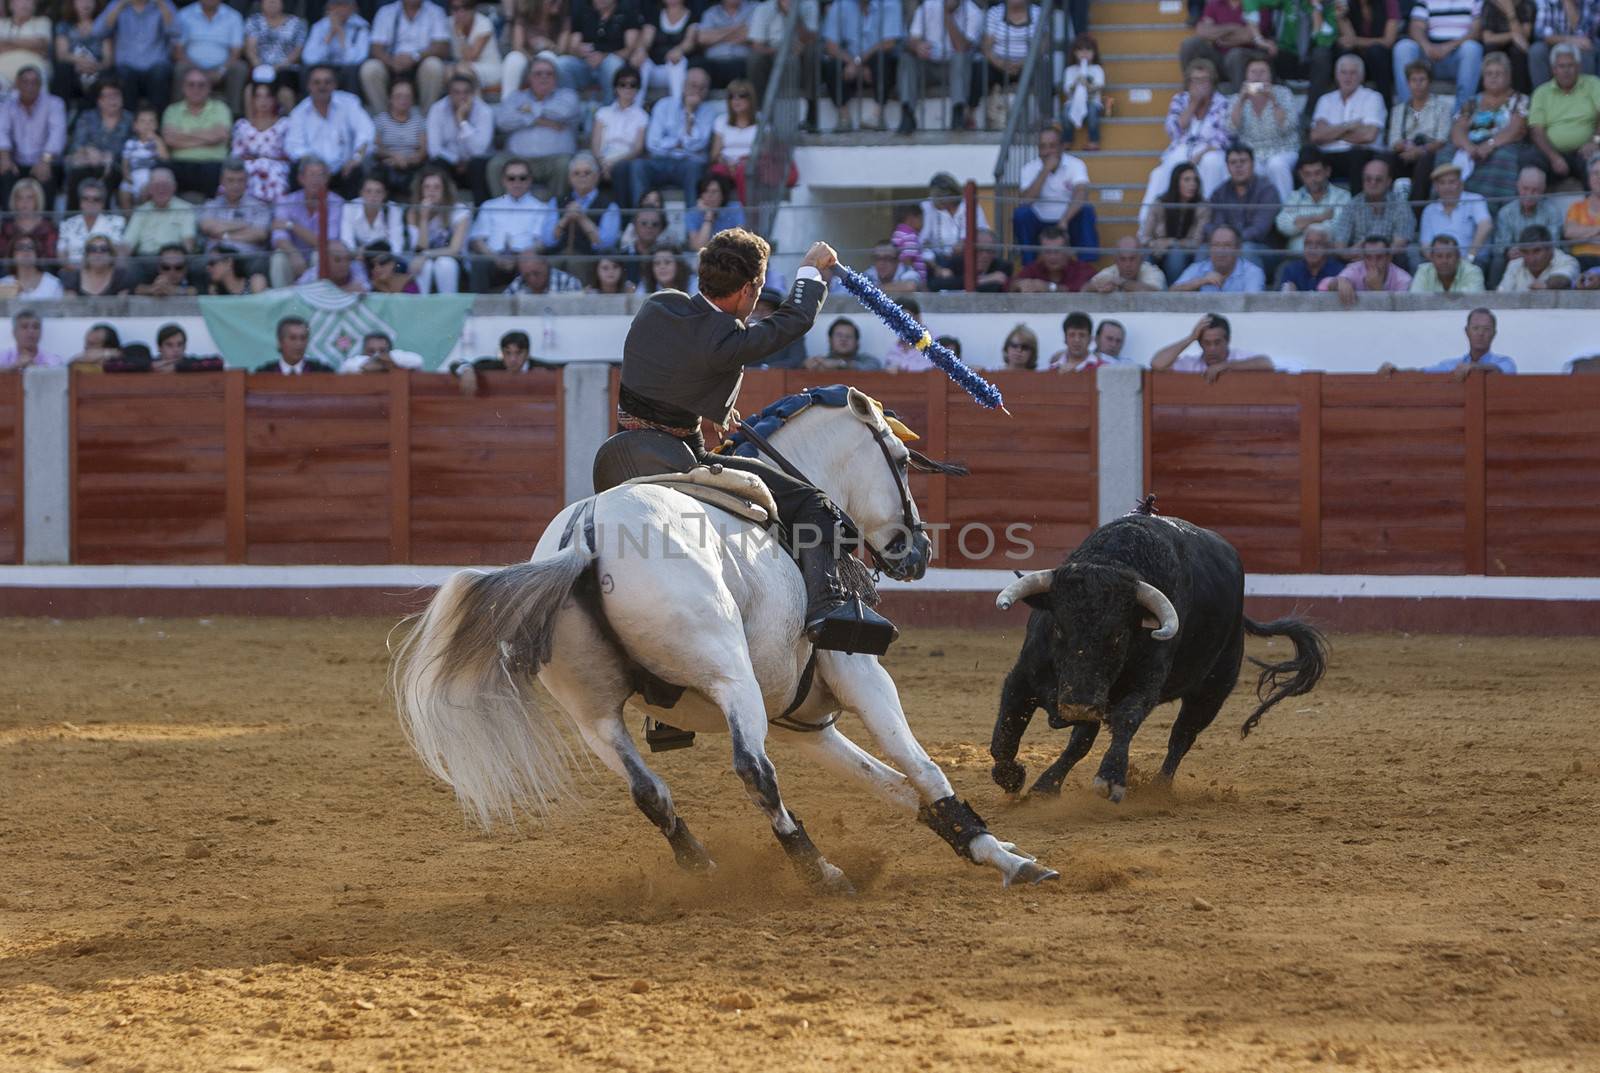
[738, 493]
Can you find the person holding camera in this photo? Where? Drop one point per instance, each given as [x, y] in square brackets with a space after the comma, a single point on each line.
[1264, 118]
[1418, 129]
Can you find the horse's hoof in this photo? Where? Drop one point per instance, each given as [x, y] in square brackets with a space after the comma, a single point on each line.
[1113, 790]
[1031, 873]
[831, 880]
[1011, 847]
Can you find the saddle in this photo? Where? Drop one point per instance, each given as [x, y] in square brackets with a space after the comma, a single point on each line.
[740, 494]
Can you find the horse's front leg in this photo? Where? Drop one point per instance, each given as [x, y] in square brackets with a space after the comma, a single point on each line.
[741, 704]
[862, 685]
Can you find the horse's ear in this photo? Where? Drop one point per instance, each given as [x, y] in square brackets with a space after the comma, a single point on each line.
[864, 408]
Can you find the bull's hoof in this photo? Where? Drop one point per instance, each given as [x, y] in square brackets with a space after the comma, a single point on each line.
[1009, 775]
[1031, 873]
[1113, 790]
[1045, 790]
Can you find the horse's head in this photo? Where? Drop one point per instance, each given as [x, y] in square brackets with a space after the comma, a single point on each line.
[858, 458]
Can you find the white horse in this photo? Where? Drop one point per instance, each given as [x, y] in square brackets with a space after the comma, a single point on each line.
[697, 597]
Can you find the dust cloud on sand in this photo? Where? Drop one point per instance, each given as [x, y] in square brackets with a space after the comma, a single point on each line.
[217, 853]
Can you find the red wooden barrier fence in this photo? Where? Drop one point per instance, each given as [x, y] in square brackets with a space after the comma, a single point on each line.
[10, 468]
[317, 469]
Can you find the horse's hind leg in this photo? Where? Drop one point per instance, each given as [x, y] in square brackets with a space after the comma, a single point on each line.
[741, 703]
[609, 740]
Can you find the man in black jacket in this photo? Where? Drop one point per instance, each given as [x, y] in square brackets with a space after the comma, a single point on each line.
[294, 336]
[684, 360]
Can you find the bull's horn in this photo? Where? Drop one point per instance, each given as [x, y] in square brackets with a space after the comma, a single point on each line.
[1155, 601]
[1025, 586]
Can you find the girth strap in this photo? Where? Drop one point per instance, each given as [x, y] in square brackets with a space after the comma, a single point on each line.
[801, 692]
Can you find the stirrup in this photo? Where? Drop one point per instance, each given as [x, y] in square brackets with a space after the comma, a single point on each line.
[663, 737]
[852, 626]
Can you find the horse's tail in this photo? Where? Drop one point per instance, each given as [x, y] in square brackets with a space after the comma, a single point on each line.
[461, 680]
[1291, 677]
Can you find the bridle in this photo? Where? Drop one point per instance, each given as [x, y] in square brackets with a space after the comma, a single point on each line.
[911, 525]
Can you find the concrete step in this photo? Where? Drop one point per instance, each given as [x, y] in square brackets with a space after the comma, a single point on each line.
[1109, 13]
[1121, 167]
[1140, 38]
[1143, 101]
[1119, 134]
[1141, 69]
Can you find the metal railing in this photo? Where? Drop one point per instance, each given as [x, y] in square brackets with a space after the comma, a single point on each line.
[778, 127]
[1032, 107]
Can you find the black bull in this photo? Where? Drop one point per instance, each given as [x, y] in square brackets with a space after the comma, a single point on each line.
[1148, 609]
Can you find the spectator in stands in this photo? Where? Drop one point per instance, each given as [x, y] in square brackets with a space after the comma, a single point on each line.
[1223, 269]
[171, 278]
[461, 134]
[1223, 38]
[610, 276]
[1564, 119]
[233, 218]
[341, 39]
[331, 125]
[436, 232]
[228, 274]
[540, 122]
[844, 350]
[1316, 203]
[94, 220]
[1489, 133]
[904, 357]
[94, 150]
[1445, 272]
[209, 37]
[619, 129]
[1446, 32]
[1563, 22]
[668, 271]
[1217, 353]
[1264, 117]
[944, 232]
[27, 329]
[143, 150]
[1020, 350]
[1530, 208]
[1315, 263]
[1375, 271]
[677, 141]
[1246, 203]
[1479, 358]
[860, 46]
[344, 270]
[274, 39]
[171, 356]
[1054, 191]
[100, 275]
[1109, 338]
[665, 41]
[1172, 228]
[1418, 129]
[907, 239]
[723, 40]
[474, 48]
[891, 274]
[1348, 122]
[1456, 212]
[387, 272]
[139, 32]
[604, 33]
[83, 57]
[647, 230]
[400, 137]
[24, 41]
[294, 336]
[1369, 29]
[536, 26]
[994, 272]
[943, 38]
[33, 134]
[1379, 210]
[195, 130]
[1082, 89]
[1301, 46]
[507, 225]
[295, 222]
[259, 143]
[162, 221]
[535, 275]
[715, 209]
[1057, 267]
[27, 219]
[1538, 264]
[1197, 125]
[1129, 272]
[586, 221]
[1076, 331]
[101, 346]
[372, 218]
[733, 135]
[1508, 28]
[1582, 225]
[26, 279]
[377, 355]
[410, 39]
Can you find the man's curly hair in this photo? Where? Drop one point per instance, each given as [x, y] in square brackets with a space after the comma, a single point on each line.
[730, 260]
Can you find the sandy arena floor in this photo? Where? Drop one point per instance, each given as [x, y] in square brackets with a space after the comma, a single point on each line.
[217, 853]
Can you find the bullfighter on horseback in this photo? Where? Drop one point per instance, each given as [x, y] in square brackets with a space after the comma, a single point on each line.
[684, 360]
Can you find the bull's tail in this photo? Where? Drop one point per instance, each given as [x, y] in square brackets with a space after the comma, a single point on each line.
[1292, 677]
